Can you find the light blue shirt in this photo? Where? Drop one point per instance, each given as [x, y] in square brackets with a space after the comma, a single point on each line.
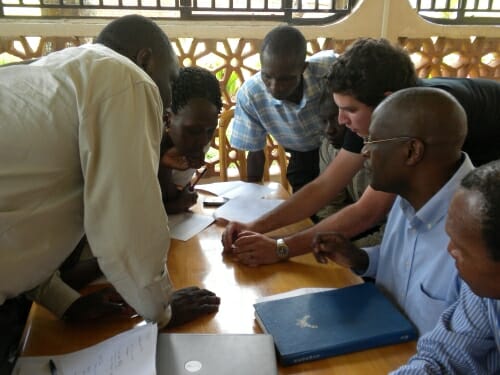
[466, 340]
[412, 264]
[297, 127]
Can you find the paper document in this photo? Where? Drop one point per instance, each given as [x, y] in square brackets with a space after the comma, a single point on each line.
[245, 209]
[187, 224]
[234, 189]
[292, 293]
[130, 353]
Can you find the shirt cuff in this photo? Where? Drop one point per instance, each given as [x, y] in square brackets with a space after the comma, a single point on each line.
[372, 253]
[54, 294]
[165, 318]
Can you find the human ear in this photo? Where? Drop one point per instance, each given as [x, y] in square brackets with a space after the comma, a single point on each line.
[415, 153]
[145, 59]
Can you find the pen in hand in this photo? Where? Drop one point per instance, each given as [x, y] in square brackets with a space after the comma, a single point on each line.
[52, 367]
[197, 179]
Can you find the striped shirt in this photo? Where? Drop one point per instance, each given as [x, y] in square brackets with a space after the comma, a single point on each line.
[466, 340]
[296, 127]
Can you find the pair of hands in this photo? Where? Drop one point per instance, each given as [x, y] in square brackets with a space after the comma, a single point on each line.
[187, 304]
[248, 247]
[253, 249]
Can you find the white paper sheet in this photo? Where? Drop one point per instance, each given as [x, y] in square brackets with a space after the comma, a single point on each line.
[234, 189]
[245, 209]
[291, 293]
[129, 353]
[187, 224]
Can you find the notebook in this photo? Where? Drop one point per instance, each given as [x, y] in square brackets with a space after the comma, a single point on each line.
[324, 324]
[220, 354]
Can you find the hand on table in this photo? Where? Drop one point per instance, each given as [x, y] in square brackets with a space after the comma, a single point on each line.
[190, 303]
[230, 234]
[102, 302]
[334, 246]
[253, 249]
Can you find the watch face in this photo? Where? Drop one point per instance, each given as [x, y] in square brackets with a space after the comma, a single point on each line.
[281, 249]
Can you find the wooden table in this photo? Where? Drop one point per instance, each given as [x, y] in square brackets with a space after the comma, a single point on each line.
[199, 262]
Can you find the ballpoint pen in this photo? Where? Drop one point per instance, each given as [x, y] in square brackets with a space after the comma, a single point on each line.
[197, 178]
[52, 367]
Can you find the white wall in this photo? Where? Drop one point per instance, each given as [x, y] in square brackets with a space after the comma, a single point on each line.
[371, 18]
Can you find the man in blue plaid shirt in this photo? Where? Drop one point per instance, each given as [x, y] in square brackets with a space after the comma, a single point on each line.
[283, 100]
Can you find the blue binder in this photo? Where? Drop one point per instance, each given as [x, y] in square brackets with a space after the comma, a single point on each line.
[324, 324]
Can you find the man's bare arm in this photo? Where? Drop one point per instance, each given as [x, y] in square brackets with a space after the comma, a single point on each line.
[354, 219]
[315, 195]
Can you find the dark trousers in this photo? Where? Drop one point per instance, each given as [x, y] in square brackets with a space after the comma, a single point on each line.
[13, 314]
[303, 167]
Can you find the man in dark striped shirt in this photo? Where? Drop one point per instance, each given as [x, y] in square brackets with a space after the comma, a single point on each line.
[466, 339]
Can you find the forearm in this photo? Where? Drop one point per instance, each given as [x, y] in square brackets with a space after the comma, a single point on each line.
[350, 221]
[301, 242]
[255, 165]
[362, 215]
[124, 220]
[301, 205]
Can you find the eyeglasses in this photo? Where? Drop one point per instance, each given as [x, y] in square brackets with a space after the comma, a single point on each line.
[368, 140]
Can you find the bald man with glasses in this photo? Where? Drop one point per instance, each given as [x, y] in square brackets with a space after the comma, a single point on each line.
[414, 150]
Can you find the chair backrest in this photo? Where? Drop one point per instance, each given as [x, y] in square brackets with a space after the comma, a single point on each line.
[229, 155]
[276, 152]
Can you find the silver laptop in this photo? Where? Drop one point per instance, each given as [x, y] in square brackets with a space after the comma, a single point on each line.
[215, 354]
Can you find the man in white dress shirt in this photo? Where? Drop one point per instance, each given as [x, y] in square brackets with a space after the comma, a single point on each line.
[79, 152]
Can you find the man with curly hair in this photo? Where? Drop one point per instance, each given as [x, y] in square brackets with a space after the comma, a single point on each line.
[368, 71]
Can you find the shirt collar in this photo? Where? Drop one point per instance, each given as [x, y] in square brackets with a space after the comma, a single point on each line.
[437, 207]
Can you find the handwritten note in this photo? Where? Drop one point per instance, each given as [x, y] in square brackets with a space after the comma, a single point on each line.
[129, 353]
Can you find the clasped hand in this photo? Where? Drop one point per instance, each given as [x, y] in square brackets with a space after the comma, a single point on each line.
[248, 247]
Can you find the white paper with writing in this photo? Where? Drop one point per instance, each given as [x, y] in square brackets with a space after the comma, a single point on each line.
[129, 353]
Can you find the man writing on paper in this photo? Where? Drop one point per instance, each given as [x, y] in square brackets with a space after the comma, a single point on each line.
[414, 144]
[466, 339]
[79, 148]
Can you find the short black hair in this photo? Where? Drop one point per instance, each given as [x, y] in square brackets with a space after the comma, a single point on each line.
[128, 34]
[195, 82]
[369, 68]
[285, 40]
[486, 181]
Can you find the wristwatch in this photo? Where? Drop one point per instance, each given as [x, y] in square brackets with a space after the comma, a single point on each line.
[282, 249]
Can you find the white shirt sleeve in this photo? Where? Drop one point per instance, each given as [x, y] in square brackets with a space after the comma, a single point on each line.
[124, 218]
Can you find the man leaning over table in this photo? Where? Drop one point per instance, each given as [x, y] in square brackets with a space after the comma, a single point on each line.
[368, 71]
[466, 339]
[283, 100]
[79, 147]
[413, 147]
